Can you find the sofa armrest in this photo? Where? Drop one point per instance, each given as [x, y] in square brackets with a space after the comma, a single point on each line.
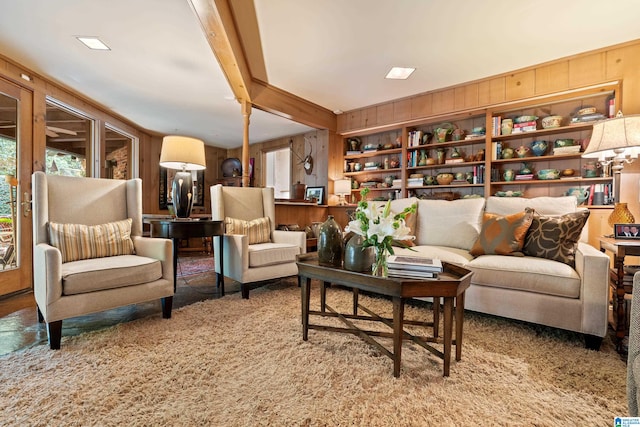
[298, 238]
[593, 268]
[47, 275]
[160, 249]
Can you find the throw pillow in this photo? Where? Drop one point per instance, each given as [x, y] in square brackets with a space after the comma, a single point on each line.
[258, 230]
[79, 241]
[556, 237]
[503, 235]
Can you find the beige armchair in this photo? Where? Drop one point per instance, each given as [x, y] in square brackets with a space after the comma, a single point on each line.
[256, 262]
[633, 359]
[74, 277]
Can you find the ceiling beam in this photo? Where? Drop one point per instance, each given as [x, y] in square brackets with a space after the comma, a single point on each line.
[222, 32]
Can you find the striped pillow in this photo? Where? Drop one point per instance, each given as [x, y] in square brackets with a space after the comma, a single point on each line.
[79, 241]
[258, 230]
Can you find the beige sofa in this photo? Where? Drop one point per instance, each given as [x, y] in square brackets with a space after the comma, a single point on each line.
[527, 288]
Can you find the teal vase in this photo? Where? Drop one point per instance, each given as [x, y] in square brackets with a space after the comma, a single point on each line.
[330, 243]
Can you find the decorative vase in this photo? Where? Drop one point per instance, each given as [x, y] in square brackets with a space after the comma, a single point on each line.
[440, 156]
[357, 257]
[330, 243]
[298, 191]
[621, 215]
[380, 267]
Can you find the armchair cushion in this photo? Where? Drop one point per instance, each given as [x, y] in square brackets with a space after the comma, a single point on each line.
[263, 254]
[80, 241]
[258, 230]
[89, 275]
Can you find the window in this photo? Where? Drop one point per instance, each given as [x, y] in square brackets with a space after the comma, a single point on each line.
[278, 172]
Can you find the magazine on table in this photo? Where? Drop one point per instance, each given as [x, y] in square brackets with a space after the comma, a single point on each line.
[415, 263]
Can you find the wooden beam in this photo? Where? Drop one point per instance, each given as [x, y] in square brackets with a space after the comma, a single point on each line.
[216, 19]
[284, 104]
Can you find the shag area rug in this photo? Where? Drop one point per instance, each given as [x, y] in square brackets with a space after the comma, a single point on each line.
[234, 362]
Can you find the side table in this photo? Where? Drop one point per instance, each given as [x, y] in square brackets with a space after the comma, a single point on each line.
[177, 229]
[619, 287]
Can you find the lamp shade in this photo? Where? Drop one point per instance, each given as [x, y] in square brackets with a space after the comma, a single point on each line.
[183, 153]
[342, 186]
[621, 134]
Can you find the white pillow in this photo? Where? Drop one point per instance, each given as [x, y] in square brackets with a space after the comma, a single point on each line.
[455, 223]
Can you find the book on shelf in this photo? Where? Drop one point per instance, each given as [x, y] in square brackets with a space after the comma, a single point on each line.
[524, 124]
[524, 177]
[524, 129]
[454, 160]
[353, 152]
[408, 274]
[496, 122]
[569, 149]
[414, 263]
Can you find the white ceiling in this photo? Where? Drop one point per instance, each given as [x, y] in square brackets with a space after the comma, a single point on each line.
[162, 74]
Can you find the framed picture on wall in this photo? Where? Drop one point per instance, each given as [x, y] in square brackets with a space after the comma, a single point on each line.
[166, 181]
[315, 193]
[627, 231]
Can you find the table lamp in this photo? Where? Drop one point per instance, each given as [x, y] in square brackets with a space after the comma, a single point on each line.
[184, 154]
[342, 187]
[616, 141]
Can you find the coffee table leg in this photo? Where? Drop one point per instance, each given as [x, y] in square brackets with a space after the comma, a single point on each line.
[356, 294]
[220, 276]
[398, 332]
[436, 317]
[176, 243]
[306, 287]
[323, 296]
[459, 324]
[448, 329]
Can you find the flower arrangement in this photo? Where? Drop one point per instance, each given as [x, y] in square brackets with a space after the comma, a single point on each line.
[379, 227]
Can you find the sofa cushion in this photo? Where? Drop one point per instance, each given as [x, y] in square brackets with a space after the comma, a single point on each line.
[555, 237]
[258, 230]
[80, 241]
[503, 235]
[97, 274]
[453, 223]
[526, 273]
[542, 205]
[263, 254]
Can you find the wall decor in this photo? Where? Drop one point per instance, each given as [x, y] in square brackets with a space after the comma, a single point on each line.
[166, 178]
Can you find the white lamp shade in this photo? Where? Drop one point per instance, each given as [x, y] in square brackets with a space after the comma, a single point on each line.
[620, 133]
[182, 152]
[342, 186]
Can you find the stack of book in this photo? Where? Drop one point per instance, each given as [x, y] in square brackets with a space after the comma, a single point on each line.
[414, 267]
[524, 127]
[568, 149]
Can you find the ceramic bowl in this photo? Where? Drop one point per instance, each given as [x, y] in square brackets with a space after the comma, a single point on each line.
[539, 148]
[564, 142]
[444, 178]
[548, 174]
[523, 119]
[551, 122]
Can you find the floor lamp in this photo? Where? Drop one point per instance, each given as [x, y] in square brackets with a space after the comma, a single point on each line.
[617, 142]
[184, 154]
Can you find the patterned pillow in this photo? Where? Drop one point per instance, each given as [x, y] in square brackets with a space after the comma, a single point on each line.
[79, 241]
[258, 230]
[556, 237]
[502, 235]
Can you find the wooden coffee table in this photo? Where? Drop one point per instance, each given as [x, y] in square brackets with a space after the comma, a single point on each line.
[450, 285]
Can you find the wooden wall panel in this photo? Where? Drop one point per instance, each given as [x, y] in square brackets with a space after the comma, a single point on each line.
[520, 85]
[443, 101]
[384, 113]
[421, 105]
[402, 110]
[369, 117]
[586, 70]
[552, 78]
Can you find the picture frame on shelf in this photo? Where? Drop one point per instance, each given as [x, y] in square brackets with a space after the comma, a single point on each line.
[627, 231]
[315, 193]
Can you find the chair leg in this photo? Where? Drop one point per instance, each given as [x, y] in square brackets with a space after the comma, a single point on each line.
[54, 332]
[40, 316]
[244, 287]
[167, 304]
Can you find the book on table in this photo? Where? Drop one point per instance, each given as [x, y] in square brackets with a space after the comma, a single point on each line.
[414, 263]
[412, 274]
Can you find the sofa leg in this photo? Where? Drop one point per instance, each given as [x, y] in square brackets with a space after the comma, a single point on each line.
[592, 342]
[244, 287]
[167, 305]
[40, 316]
[54, 332]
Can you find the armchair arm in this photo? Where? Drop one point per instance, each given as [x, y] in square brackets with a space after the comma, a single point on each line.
[298, 238]
[160, 249]
[634, 350]
[236, 254]
[47, 275]
[593, 268]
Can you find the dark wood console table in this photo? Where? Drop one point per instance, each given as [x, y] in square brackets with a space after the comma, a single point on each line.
[620, 248]
[177, 229]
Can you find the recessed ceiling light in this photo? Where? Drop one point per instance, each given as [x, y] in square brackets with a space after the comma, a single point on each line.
[93, 43]
[399, 73]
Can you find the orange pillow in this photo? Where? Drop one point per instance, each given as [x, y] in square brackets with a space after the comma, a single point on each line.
[503, 235]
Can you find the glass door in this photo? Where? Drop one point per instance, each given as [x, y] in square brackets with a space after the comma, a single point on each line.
[15, 188]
